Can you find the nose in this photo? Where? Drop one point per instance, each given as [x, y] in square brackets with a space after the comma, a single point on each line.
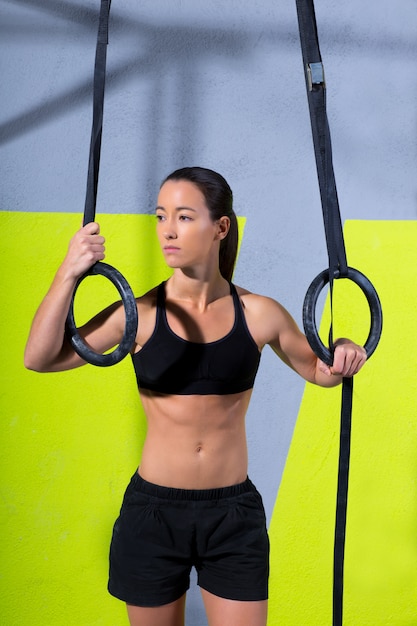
[169, 232]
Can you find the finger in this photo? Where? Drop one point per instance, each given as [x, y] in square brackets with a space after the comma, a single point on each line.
[350, 369]
[88, 237]
[92, 228]
[97, 246]
[348, 363]
[339, 361]
[360, 362]
[344, 363]
[95, 240]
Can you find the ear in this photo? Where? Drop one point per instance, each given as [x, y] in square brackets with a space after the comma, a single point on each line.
[223, 227]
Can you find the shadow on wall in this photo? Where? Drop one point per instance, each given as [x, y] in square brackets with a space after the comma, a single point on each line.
[164, 50]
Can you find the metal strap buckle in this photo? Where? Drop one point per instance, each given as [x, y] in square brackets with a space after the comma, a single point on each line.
[315, 75]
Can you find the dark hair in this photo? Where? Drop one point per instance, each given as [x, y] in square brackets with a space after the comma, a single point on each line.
[219, 201]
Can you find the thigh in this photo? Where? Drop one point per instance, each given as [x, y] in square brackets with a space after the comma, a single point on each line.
[171, 614]
[150, 552]
[233, 549]
[221, 611]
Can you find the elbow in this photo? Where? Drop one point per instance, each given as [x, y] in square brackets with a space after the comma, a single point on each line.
[46, 363]
[27, 361]
[31, 364]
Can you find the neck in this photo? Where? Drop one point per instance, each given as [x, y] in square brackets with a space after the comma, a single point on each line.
[199, 291]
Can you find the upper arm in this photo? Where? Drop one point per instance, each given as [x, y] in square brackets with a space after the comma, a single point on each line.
[293, 348]
[270, 323]
[101, 333]
[105, 330]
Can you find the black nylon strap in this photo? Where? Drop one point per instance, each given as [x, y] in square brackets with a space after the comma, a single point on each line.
[98, 105]
[99, 268]
[316, 94]
[342, 497]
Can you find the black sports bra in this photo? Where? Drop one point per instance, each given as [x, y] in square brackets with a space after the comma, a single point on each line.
[170, 364]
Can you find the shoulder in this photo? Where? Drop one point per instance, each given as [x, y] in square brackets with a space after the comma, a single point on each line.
[270, 323]
[148, 300]
[266, 317]
[257, 304]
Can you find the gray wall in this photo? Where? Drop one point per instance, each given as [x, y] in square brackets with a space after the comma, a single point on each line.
[218, 84]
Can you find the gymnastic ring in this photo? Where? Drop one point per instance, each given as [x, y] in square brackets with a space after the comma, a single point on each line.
[131, 325]
[309, 309]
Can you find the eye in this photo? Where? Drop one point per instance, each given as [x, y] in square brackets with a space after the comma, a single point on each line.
[159, 217]
[185, 218]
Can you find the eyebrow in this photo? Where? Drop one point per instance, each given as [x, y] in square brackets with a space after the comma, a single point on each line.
[178, 208]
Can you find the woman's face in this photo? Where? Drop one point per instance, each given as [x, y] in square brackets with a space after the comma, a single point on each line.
[188, 236]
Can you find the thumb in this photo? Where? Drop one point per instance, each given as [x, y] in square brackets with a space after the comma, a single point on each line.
[92, 228]
[324, 368]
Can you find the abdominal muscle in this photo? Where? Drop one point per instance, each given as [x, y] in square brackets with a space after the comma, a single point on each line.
[195, 442]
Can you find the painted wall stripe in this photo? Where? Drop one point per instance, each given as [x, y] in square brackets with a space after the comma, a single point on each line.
[381, 549]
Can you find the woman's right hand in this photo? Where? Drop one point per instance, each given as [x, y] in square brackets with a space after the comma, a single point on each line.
[85, 248]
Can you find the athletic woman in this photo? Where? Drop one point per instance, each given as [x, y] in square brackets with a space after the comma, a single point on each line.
[196, 355]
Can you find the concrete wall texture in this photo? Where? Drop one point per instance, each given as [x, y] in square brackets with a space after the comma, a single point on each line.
[218, 84]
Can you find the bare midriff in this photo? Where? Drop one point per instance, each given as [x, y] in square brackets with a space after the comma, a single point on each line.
[195, 442]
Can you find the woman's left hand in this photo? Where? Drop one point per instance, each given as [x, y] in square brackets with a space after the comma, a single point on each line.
[348, 359]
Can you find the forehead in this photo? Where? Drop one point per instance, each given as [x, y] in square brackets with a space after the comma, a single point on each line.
[180, 193]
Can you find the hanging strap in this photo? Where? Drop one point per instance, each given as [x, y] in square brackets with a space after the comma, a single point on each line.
[98, 105]
[99, 268]
[338, 268]
[316, 94]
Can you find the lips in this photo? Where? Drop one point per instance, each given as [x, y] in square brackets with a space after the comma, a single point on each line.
[170, 249]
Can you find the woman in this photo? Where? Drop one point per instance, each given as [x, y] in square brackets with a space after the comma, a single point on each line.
[196, 355]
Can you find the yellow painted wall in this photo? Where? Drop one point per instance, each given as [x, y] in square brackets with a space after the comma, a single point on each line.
[381, 541]
[70, 442]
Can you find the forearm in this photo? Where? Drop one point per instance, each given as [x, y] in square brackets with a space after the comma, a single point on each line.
[47, 346]
[326, 379]
[47, 349]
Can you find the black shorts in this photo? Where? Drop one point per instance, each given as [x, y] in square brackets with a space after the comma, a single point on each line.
[162, 533]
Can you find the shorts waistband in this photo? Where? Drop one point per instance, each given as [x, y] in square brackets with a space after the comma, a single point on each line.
[172, 493]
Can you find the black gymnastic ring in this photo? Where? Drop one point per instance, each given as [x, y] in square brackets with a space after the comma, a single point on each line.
[309, 309]
[131, 325]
